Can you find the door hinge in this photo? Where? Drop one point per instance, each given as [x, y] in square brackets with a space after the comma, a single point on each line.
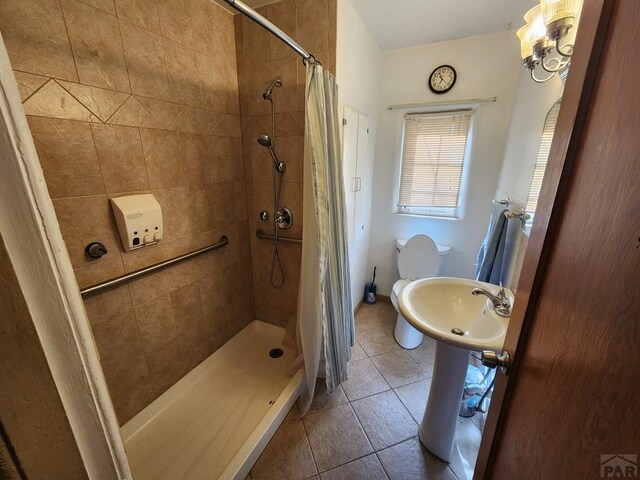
[367, 131]
[344, 121]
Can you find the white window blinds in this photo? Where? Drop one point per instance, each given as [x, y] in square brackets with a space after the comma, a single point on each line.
[433, 157]
[541, 159]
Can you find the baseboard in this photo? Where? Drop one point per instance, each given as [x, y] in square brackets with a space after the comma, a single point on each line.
[384, 298]
[358, 306]
[379, 298]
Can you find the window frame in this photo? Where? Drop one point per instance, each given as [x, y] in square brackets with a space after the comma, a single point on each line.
[532, 213]
[446, 213]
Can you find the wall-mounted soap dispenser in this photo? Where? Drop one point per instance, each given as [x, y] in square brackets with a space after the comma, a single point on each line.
[139, 220]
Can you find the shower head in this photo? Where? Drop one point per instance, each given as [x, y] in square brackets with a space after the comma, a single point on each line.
[265, 141]
[267, 93]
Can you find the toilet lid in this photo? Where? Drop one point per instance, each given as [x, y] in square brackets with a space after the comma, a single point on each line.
[419, 258]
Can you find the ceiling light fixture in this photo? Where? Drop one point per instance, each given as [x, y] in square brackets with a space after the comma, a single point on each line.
[543, 38]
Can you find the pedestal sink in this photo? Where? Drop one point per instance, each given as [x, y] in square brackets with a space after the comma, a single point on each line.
[445, 310]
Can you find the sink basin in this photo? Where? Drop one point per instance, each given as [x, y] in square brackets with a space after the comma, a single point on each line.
[444, 309]
[436, 306]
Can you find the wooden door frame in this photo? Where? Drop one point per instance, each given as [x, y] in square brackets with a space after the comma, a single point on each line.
[594, 22]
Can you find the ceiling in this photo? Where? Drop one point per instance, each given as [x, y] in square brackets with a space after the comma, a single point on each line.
[398, 24]
[406, 23]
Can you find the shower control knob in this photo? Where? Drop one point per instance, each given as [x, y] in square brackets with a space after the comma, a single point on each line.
[264, 215]
[95, 250]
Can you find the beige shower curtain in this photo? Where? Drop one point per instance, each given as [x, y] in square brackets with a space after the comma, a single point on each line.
[325, 311]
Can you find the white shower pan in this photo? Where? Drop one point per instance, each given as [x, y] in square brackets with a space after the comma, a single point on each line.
[215, 422]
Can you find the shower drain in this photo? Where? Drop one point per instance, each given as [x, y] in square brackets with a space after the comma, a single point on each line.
[276, 353]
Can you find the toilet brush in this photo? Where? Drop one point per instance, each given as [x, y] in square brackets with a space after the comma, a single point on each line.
[371, 289]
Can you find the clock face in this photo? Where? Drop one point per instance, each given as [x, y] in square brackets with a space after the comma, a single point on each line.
[442, 79]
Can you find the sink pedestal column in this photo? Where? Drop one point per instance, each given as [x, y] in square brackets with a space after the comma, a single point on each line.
[438, 427]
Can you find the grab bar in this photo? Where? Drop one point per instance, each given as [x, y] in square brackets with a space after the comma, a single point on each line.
[224, 240]
[265, 236]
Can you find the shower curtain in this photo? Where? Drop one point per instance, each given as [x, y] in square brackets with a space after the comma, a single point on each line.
[325, 311]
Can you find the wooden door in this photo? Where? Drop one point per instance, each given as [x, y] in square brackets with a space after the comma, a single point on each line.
[574, 392]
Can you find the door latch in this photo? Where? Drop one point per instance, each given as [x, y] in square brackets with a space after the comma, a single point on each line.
[492, 359]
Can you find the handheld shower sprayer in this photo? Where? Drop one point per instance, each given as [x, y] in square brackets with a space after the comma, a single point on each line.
[267, 93]
[265, 141]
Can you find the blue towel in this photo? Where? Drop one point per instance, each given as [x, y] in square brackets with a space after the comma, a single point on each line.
[493, 251]
[497, 213]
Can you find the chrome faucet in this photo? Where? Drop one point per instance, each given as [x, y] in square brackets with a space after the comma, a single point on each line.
[501, 304]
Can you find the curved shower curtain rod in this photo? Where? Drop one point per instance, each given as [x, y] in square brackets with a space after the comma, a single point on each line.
[267, 25]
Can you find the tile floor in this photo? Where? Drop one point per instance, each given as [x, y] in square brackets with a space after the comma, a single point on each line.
[367, 428]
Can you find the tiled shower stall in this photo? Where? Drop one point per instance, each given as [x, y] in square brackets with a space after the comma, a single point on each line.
[165, 97]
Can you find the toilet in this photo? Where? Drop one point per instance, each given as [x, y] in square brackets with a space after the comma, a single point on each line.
[419, 257]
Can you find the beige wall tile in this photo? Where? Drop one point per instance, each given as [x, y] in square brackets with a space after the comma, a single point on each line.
[256, 41]
[175, 211]
[104, 5]
[54, 101]
[220, 159]
[36, 38]
[121, 159]
[101, 102]
[227, 125]
[156, 285]
[124, 365]
[28, 83]
[313, 24]
[195, 120]
[182, 69]
[285, 98]
[143, 13]
[164, 165]
[201, 205]
[97, 47]
[241, 200]
[146, 61]
[175, 21]
[155, 324]
[133, 114]
[68, 157]
[283, 14]
[84, 220]
[223, 203]
[213, 28]
[193, 158]
[109, 304]
[101, 271]
[212, 74]
[163, 112]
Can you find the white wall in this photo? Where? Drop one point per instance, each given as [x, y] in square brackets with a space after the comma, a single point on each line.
[358, 67]
[531, 104]
[487, 66]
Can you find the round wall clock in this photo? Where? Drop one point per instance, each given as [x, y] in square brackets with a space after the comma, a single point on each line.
[442, 79]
